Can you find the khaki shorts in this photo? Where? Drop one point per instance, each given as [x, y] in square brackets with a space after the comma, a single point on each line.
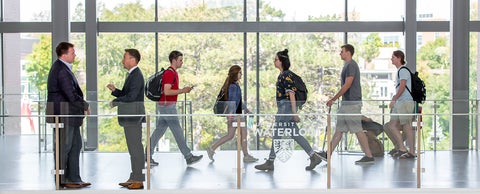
[349, 123]
[403, 107]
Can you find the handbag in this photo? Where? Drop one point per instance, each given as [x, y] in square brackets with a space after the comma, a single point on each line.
[220, 106]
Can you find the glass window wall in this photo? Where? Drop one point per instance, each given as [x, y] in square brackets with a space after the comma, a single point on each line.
[27, 10]
[301, 10]
[314, 55]
[2, 103]
[376, 10]
[111, 48]
[29, 56]
[474, 7]
[373, 53]
[433, 10]
[77, 10]
[433, 60]
[474, 64]
[210, 10]
[126, 11]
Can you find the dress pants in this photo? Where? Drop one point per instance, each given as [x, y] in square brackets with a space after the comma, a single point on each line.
[70, 145]
[133, 135]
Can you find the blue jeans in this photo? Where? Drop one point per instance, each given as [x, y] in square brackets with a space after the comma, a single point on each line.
[285, 107]
[169, 121]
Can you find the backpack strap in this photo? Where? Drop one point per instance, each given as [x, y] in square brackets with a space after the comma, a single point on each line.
[411, 79]
[174, 78]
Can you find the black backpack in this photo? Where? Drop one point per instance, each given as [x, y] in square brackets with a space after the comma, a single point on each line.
[153, 87]
[418, 90]
[372, 126]
[301, 92]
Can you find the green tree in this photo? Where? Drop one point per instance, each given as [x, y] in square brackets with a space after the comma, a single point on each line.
[433, 63]
[435, 53]
[110, 68]
[39, 62]
[370, 47]
[269, 13]
[207, 57]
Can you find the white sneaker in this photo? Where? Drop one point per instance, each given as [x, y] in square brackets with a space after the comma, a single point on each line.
[210, 153]
[249, 158]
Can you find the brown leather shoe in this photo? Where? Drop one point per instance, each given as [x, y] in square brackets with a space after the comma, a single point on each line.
[85, 184]
[135, 185]
[71, 185]
[125, 184]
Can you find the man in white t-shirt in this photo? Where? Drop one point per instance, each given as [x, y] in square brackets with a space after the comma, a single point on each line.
[402, 103]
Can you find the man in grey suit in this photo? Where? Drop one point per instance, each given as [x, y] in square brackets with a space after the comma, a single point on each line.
[66, 98]
[130, 102]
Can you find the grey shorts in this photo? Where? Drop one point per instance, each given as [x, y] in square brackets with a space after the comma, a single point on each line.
[349, 123]
[403, 107]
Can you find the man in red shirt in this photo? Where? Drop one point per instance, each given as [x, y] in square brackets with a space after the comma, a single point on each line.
[167, 107]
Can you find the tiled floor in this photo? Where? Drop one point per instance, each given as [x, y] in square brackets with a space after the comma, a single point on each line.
[23, 168]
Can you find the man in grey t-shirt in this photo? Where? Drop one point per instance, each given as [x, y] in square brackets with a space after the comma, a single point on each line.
[351, 93]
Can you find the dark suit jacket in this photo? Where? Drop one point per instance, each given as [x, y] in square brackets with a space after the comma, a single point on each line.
[130, 99]
[64, 95]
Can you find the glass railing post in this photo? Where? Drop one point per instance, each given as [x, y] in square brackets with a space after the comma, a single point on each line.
[57, 157]
[240, 124]
[475, 128]
[39, 131]
[419, 143]
[435, 116]
[148, 154]
[82, 136]
[44, 124]
[383, 106]
[190, 112]
[329, 149]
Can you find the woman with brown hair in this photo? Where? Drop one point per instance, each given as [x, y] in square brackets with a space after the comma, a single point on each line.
[233, 98]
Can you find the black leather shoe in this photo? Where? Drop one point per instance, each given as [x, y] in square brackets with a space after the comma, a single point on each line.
[194, 159]
[268, 165]
[314, 161]
[152, 162]
[323, 155]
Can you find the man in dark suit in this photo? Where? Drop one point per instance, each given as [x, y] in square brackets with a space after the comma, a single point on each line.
[130, 102]
[66, 98]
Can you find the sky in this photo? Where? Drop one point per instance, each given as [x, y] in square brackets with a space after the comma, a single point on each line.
[299, 10]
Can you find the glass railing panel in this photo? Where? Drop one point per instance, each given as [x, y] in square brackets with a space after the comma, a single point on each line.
[229, 171]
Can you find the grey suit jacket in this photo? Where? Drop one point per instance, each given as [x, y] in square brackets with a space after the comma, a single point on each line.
[130, 99]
